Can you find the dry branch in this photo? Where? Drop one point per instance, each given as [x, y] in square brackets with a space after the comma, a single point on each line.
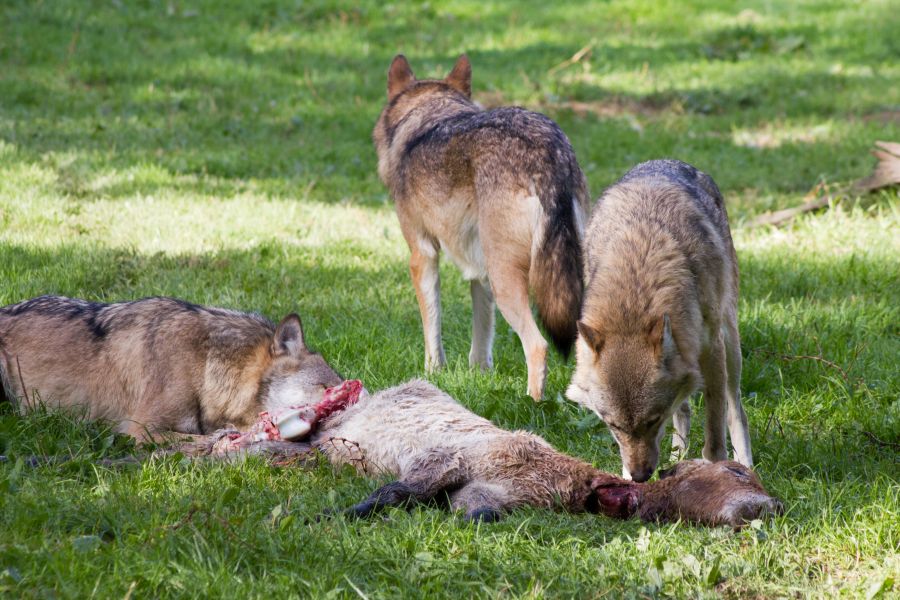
[886, 174]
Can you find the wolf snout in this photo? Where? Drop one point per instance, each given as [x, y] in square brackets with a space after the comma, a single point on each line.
[642, 473]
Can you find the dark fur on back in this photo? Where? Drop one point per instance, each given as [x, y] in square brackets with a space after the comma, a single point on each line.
[100, 318]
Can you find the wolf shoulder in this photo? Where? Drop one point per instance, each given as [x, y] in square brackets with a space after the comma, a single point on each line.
[670, 194]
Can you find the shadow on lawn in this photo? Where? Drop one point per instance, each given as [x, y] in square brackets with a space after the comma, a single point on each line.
[134, 86]
[365, 321]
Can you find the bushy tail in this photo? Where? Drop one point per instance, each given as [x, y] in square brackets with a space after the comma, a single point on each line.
[557, 272]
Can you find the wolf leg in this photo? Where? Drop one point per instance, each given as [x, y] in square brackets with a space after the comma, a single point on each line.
[682, 421]
[481, 501]
[511, 291]
[420, 481]
[737, 418]
[510, 286]
[423, 268]
[482, 325]
[506, 227]
[712, 367]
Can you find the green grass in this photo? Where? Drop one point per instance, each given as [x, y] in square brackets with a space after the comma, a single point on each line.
[220, 152]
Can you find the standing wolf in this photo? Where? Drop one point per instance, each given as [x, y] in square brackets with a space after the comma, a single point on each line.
[157, 364]
[501, 192]
[660, 315]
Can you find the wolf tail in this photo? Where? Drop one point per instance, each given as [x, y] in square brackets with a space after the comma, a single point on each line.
[557, 271]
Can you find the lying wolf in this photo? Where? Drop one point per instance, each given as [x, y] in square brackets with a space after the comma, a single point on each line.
[659, 320]
[158, 364]
[501, 193]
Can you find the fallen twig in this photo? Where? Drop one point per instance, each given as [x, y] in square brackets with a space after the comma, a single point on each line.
[886, 174]
[880, 442]
[780, 217]
[887, 171]
[793, 357]
[574, 59]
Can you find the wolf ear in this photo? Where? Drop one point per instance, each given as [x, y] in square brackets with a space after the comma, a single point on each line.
[288, 339]
[460, 78]
[661, 337]
[592, 336]
[400, 76]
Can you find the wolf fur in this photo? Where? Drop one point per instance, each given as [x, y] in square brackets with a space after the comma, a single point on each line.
[502, 193]
[659, 319]
[157, 364]
[437, 448]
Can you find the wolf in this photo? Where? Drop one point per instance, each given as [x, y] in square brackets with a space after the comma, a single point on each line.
[158, 364]
[659, 319]
[439, 450]
[502, 193]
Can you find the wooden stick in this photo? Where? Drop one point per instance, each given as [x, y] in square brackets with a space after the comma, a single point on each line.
[886, 174]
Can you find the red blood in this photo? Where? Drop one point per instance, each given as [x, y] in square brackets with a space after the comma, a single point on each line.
[335, 399]
[338, 398]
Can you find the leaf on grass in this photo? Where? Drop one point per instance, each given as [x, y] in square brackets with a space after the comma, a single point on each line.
[10, 574]
[229, 495]
[655, 577]
[276, 512]
[693, 565]
[286, 522]
[86, 543]
[714, 574]
[643, 541]
[879, 587]
[672, 570]
[790, 43]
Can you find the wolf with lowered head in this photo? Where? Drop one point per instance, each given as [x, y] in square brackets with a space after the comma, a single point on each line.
[501, 193]
[659, 320]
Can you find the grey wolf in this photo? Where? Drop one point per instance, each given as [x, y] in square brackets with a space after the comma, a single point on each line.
[659, 320]
[501, 192]
[157, 364]
[439, 449]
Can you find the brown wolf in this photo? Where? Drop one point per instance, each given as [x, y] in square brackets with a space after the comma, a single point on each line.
[438, 448]
[501, 192]
[660, 315]
[157, 364]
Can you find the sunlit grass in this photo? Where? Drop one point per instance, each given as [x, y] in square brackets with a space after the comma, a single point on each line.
[221, 152]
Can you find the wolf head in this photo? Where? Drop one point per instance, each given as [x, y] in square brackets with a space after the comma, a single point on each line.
[405, 94]
[634, 382]
[295, 375]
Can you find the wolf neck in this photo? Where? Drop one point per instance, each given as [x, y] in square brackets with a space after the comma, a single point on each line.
[420, 123]
[234, 370]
